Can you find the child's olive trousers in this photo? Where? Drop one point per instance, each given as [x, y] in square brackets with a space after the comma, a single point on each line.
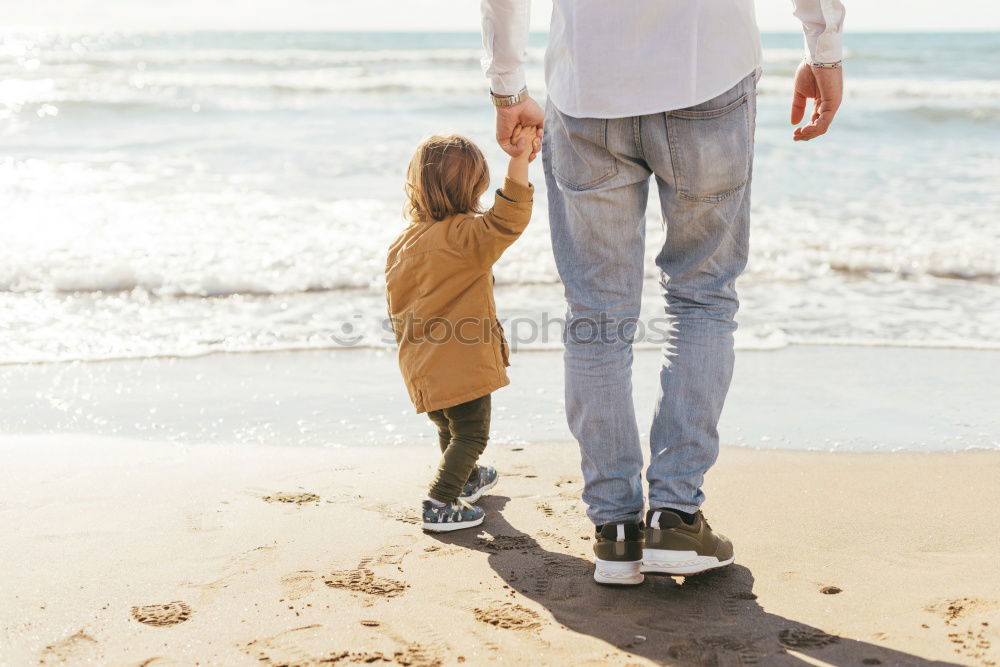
[463, 430]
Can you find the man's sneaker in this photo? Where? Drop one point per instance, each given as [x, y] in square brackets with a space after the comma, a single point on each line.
[455, 516]
[618, 551]
[485, 480]
[674, 547]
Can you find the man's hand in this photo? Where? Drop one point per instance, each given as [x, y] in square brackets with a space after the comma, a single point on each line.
[522, 114]
[826, 86]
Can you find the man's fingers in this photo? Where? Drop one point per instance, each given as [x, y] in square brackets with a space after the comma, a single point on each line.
[818, 126]
[826, 85]
[505, 132]
[507, 136]
[798, 107]
[506, 146]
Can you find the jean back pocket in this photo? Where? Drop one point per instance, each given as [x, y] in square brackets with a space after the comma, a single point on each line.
[711, 145]
[578, 149]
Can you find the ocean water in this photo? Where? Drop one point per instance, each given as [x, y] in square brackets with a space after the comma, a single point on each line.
[183, 193]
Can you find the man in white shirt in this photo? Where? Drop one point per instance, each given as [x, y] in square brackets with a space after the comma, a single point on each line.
[641, 89]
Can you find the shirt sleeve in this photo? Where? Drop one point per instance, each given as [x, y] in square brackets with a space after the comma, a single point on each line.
[823, 25]
[484, 238]
[505, 38]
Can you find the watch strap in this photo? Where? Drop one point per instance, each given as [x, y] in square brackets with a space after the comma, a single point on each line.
[509, 100]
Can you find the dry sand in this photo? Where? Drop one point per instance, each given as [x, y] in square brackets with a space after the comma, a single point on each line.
[123, 552]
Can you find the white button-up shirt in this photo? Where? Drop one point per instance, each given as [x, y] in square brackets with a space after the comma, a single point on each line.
[619, 58]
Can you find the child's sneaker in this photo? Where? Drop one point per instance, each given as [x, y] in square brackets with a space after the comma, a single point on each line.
[457, 515]
[485, 480]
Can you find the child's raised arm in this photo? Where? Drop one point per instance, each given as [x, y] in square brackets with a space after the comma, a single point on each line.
[489, 235]
[517, 170]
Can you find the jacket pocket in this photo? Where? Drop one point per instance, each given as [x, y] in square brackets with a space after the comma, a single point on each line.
[710, 146]
[504, 349]
[418, 394]
[578, 149]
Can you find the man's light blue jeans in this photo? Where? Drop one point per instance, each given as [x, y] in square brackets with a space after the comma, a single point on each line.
[598, 173]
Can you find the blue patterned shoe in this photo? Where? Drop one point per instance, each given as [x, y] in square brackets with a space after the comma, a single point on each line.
[474, 490]
[455, 516]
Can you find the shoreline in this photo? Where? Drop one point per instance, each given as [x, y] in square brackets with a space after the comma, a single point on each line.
[971, 346]
[849, 399]
[276, 555]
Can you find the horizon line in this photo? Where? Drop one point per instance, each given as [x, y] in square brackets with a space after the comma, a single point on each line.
[136, 29]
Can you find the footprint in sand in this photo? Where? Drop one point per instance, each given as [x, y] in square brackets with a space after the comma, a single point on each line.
[506, 542]
[291, 648]
[509, 616]
[393, 554]
[974, 645]
[407, 515]
[743, 649]
[161, 615]
[363, 580]
[76, 649]
[297, 585]
[242, 564]
[300, 498]
[953, 609]
[552, 537]
[692, 653]
[557, 578]
[805, 638]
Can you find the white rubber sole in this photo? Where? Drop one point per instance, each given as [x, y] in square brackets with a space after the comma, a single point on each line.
[479, 494]
[448, 527]
[617, 573]
[662, 561]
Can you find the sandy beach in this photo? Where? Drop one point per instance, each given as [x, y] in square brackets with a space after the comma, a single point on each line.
[123, 552]
[208, 457]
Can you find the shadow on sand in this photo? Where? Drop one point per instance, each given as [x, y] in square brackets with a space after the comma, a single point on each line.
[711, 619]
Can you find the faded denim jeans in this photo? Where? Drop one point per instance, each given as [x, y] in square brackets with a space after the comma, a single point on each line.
[598, 173]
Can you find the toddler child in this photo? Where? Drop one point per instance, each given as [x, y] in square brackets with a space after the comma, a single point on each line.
[439, 285]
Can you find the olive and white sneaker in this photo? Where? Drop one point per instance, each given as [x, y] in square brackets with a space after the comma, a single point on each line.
[453, 516]
[618, 553]
[486, 478]
[676, 548]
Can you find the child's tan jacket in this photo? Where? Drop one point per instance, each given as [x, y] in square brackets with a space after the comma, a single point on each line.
[439, 284]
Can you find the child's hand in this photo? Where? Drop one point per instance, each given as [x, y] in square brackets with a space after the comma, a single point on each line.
[524, 139]
[529, 135]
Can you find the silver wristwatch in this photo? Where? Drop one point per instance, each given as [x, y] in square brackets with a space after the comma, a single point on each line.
[836, 65]
[509, 100]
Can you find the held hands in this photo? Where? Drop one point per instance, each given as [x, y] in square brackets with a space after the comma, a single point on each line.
[524, 114]
[826, 87]
[523, 140]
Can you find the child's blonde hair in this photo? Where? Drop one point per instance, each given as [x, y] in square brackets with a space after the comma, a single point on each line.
[446, 176]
